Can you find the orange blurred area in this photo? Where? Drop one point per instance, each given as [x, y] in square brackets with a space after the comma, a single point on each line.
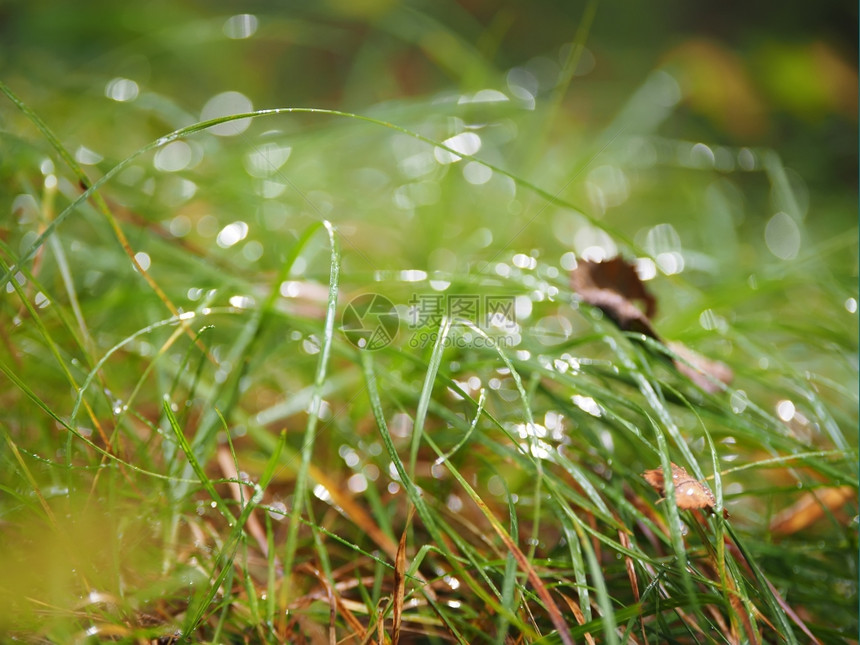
[741, 94]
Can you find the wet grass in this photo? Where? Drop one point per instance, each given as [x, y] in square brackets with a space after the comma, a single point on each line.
[194, 448]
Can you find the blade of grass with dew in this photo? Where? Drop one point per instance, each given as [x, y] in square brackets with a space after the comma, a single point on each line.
[603, 598]
[224, 606]
[93, 373]
[657, 405]
[729, 580]
[524, 399]
[523, 458]
[399, 582]
[800, 390]
[509, 581]
[380, 536]
[59, 311]
[52, 346]
[435, 605]
[715, 460]
[584, 533]
[201, 444]
[482, 399]
[234, 479]
[739, 592]
[367, 597]
[28, 475]
[578, 565]
[299, 495]
[193, 462]
[141, 380]
[194, 375]
[579, 477]
[457, 422]
[609, 400]
[424, 400]
[427, 390]
[86, 340]
[272, 566]
[772, 436]
[571, 497]
[651, 390]
[325, 576]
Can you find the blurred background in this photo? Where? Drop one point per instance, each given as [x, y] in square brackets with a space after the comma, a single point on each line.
[109, 78]
[717, 144]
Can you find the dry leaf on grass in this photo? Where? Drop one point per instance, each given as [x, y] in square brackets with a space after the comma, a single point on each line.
[613, 287]
[690, 493]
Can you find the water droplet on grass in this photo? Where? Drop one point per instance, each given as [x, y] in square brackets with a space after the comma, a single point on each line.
[738, 401]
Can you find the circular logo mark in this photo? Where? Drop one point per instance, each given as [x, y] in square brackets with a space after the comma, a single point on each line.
[370, 321]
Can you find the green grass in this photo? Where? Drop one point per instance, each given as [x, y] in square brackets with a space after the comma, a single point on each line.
[198, 450]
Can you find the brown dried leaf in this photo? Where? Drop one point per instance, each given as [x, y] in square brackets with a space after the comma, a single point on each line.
[399, 589]
[580, 617]
[690, 493]
[612, 286]
[400, 582]
[616, 275]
